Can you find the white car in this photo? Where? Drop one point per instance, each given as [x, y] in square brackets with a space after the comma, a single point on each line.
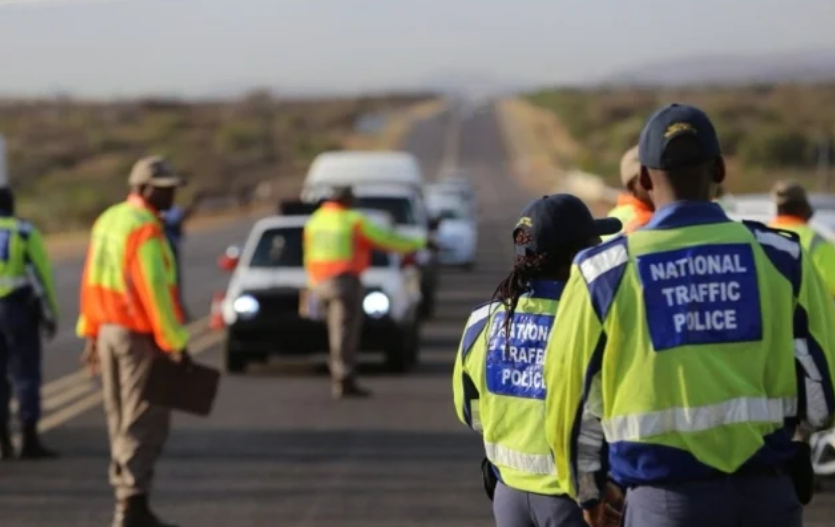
[455, 182]
[760, 207]
[457, 234]
[266, 310]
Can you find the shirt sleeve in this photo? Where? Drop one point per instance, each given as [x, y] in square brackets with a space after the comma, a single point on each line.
[385, 239]
[39, 258]
[573, 400]
[814, 346]
[464, 390]
[150, 280]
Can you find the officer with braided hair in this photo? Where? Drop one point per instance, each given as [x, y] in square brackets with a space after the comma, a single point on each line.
[497, 383]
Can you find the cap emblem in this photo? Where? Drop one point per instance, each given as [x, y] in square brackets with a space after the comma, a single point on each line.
[676, 128]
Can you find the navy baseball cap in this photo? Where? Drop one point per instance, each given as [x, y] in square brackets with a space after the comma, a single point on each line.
[670, 122]
[560, 219]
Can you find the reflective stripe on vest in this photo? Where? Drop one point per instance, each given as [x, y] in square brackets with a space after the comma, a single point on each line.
[531, 463]
[637, 427]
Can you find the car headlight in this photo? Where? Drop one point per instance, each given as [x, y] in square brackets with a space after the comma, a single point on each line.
[376, 304]
[246, 306]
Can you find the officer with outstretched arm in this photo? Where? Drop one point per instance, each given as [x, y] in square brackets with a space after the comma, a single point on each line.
[338, 242]
[684, 356]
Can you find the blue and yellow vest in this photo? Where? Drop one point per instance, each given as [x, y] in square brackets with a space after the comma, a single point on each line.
[499, 390]
[681, 339]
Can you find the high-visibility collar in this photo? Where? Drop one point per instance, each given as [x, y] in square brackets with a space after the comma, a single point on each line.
[332, 205]
[687, 213]
[624, 199]
[788, 220]
[135, 200]
[639, 206]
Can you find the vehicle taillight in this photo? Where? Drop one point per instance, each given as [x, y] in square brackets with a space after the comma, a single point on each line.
[409, 260]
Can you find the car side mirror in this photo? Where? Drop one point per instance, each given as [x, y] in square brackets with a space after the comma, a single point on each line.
[228, 261]
[434, 223]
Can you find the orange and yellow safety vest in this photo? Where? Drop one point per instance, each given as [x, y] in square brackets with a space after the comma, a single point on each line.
[129, 277]
[338, 240]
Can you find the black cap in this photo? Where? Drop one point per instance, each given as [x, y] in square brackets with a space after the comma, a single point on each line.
[673, 121]
[560, 219]
[342, 193]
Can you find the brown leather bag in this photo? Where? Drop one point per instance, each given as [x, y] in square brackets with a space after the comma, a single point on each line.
[184, 386]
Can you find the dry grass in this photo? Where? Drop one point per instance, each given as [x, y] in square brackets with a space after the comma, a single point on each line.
[263, 189]
[69, 159]
[767, 132]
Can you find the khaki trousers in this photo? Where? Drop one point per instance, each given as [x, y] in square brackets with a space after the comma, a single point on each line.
[341, 300]
[137, 430]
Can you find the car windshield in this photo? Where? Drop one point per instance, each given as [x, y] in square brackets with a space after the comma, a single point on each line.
[448, 213]
[399, 207]
[282, 247]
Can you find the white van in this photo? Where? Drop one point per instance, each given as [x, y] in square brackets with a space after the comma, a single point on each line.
[331, 169]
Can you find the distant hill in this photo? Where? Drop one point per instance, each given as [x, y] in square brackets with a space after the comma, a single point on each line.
[805, 66]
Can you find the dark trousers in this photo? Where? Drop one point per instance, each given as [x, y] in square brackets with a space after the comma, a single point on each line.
[517, 508]
[767, 501]
[20, 358]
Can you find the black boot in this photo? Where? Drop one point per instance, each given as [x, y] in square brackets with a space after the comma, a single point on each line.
[32, 447]
[348, 388]
[135, 512]
[6, 447]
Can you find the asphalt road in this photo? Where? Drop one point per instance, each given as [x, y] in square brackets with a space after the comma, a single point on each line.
[277, 450]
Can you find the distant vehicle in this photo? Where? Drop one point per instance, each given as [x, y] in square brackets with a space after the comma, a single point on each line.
[267, 310]
[457, 233]
[761, 208]
[331, 169]
[455, 182]
[391, 182]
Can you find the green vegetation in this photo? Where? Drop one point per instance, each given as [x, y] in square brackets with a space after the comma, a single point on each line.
[69, 160]
[767, 132]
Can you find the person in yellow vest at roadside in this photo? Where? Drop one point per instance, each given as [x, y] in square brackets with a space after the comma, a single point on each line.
[634, 208]
[793, 214]
[338, 243]
[27, 305]
[129, 315]
[497, 379]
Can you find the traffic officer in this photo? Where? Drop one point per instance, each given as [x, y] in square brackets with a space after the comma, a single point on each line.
[130, 314]
[793, 214]
[497, 380]
[633, 208]
[677, 346]
[27, 306]
[338, 243]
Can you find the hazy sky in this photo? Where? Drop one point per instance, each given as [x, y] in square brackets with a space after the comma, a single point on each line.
[122, 47]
